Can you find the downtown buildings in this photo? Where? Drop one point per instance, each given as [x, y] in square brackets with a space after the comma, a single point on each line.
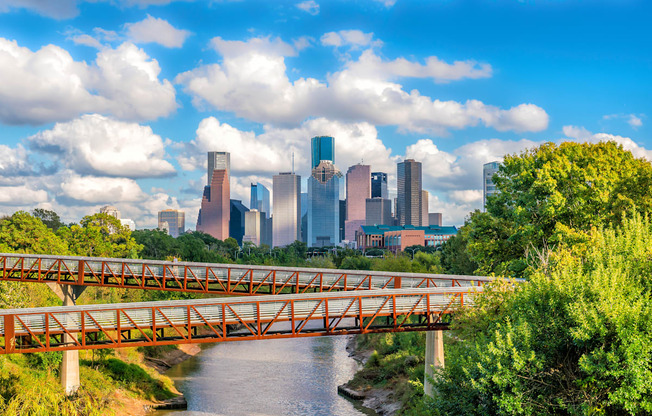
[215, 211]
[323, 194]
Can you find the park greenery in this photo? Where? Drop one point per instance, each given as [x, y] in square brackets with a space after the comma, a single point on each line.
[571, 219]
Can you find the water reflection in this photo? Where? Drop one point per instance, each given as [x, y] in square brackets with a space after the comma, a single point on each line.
[297, 376]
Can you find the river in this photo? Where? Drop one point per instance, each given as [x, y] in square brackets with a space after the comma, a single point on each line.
[295, 376]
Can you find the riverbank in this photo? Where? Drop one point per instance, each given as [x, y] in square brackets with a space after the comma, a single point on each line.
[393, 366]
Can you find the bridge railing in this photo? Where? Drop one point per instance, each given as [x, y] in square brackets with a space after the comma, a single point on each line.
[228, 319]
[231, 279]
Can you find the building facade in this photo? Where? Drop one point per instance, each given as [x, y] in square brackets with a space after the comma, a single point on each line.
[379, 185]
[378, 212]
[260, 199]
[215, 213]
[488, 187]
[218, 161]
[397, 238]
[253, 227]
[424, 208]
[434, 218]
[237, 220]
[322, 148]
[408, 188]
[358, 189]
[324, 205]
[287, 209]
[172, 220]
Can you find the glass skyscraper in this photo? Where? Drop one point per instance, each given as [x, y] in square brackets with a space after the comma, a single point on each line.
[324, 205]
[287, 208]
[379, 185]
[322, 148]
[260, 199]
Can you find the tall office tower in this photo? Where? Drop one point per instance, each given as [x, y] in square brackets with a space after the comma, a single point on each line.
[175, 219]
[342, 218]
[260, 199]
[322, 148]
[488, 188]
[215, 211]
[324, 205]
[358, 189]
[266, 230]
[304, 217]
[218, 161]
[434, 218]
[287, 209]
[378, 211]
[379, 185]
[110, 210]
[408, 192]
[237, 220]
[424, 208]
[253, 229]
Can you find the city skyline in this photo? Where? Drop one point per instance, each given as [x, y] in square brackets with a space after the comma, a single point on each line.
[391, 80]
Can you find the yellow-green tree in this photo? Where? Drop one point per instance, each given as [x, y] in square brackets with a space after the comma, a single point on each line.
[100, 235]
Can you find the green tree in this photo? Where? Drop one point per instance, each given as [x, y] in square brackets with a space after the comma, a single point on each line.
[50, 218]
[100, 235]
[553, 193]
[576, 339]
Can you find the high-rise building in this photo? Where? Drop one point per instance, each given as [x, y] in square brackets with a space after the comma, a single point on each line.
[110, 210]
[237, 220]
[379, 185]
[424, 208]
[215, 211]
[287, 209]
[172, 220]
[358, 189]
[324, 205]
[434, 219]
[218, 161]
[322, 148]
[304, 217]
[488, 188]
[253, 227]
[408, 184]
[260, 199]
[378, 212]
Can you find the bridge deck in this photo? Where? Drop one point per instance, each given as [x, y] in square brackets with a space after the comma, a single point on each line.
[230, 279]
[228, 319]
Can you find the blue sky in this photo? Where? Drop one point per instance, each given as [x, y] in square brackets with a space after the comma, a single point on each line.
[116, 102]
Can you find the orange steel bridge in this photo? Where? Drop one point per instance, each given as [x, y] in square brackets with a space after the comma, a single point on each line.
[228, 279]
[227, 319]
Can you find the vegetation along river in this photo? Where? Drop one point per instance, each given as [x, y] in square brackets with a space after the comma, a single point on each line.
[272, 377]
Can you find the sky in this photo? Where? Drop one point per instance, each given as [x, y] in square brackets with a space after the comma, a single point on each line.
[117, 101]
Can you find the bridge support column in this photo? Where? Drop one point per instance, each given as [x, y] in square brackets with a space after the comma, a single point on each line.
[70, 362]
[434, 357]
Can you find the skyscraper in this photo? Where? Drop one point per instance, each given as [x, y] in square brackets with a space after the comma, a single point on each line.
[322, 148]
[408, 192]
[324, 205]
[488, 187]
[378, 211]
[287, 209]
[173, 221]
[379, 185]
[218, 161]
[237, 220]
[253, 227]
[215, 211]
[424, 208]
[358, 189]
[260, 199]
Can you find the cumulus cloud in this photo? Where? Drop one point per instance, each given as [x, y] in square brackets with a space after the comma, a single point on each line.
[21, 195]
[634, 121]
[48, 85]
[99, 190]
[14, 162]
[351, 38]
[97, 145]
[466, 196]
[309, 6]
[583, 135]
[252, 82]
[154, 30]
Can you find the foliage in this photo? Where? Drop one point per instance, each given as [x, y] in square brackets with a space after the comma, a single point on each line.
[24, 233]
[576, 339]
[100, 235]
[50, 218]
[548, 195]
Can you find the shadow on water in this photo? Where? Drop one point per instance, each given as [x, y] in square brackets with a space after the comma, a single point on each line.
[295, 376]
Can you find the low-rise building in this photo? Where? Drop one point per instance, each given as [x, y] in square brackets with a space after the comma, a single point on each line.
[397, 238]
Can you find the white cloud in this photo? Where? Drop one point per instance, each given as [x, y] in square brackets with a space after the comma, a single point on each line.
[309, 6]
[13, 162]
[252, 82]
[98, 145]
[84, 39]
[583, 135]
[466, 196]
[100, 190]
[21, 195]
[351, 38]
[634, 121]
[57, 9]
[153, 30]
[48, 85]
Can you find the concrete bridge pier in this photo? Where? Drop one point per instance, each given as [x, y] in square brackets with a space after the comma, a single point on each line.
[434, 357]
[70, 362]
